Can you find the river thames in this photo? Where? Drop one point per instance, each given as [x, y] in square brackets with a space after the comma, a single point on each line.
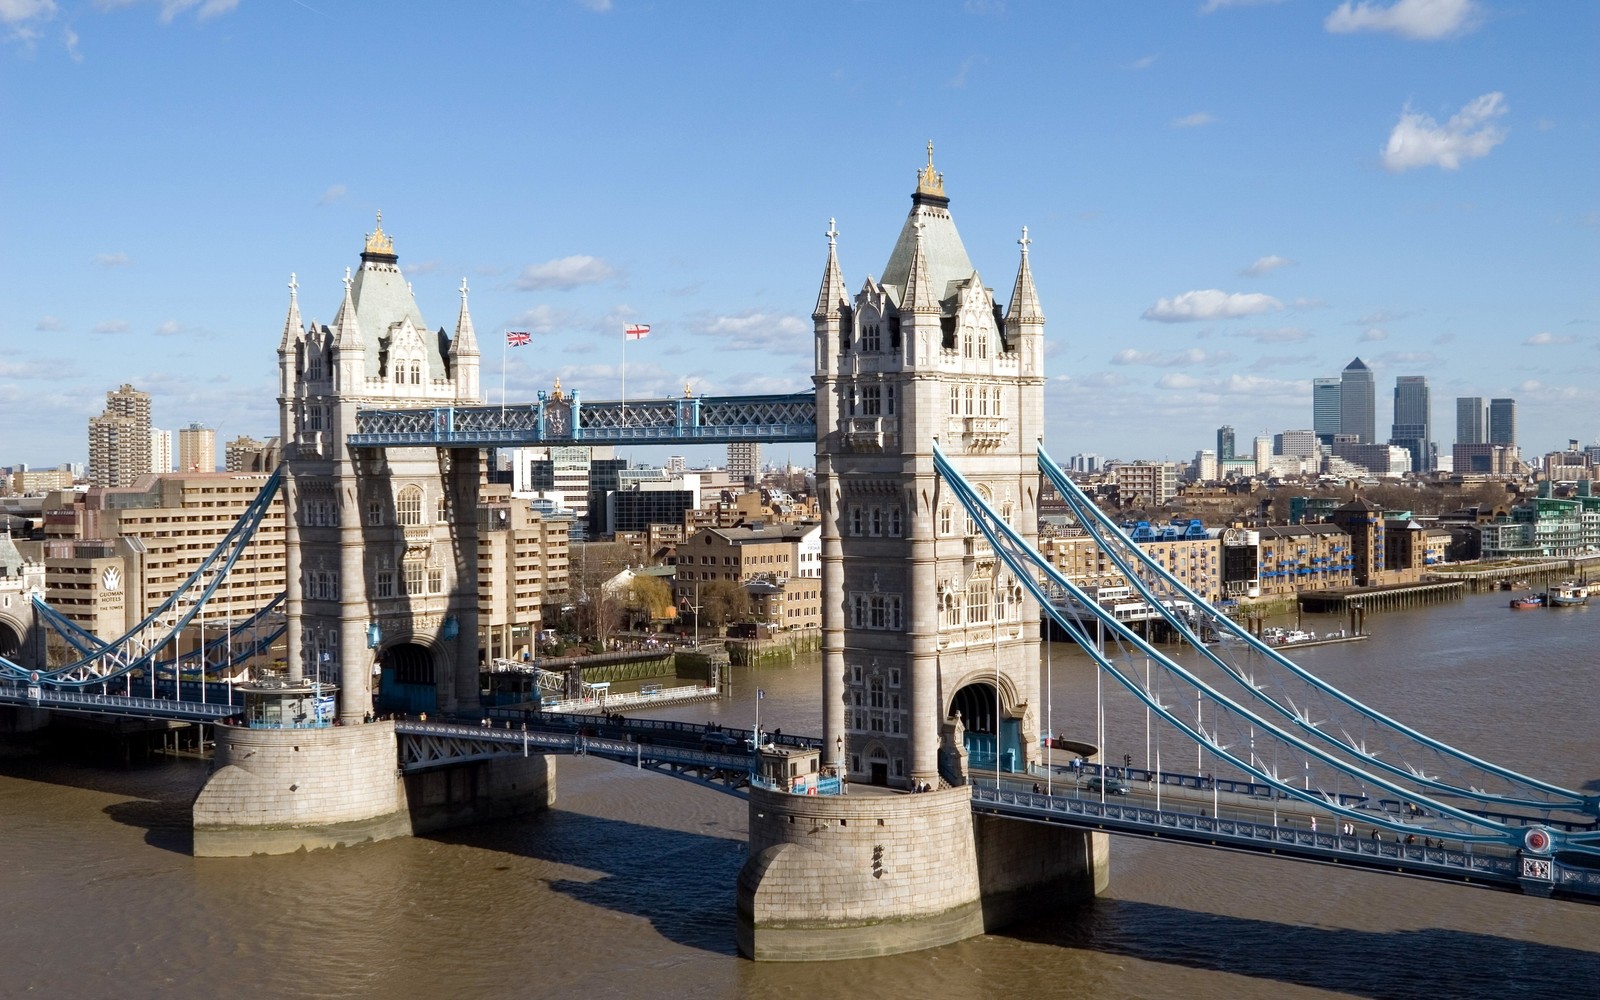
[625, 889]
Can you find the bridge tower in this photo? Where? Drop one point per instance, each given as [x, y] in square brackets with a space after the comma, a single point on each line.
[930, 652]
[382, 543]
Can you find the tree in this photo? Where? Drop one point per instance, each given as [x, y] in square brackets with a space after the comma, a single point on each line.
[723, 601]
[650, 597]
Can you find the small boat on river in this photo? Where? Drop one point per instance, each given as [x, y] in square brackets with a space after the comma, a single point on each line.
[1527, 602]
[1569, 594]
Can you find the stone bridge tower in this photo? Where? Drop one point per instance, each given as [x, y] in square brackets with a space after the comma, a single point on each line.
[382, 543]
[930, 651]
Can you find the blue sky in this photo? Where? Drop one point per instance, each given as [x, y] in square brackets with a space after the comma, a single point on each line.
[1226, 198]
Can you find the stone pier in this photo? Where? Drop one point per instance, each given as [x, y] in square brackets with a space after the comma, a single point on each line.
[276, 791]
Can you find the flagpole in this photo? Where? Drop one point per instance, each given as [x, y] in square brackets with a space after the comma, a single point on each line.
[503, 342]
[624, 376]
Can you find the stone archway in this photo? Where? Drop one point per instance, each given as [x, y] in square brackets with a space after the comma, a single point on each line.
[407, 680]
[991, 735]
[10, 642]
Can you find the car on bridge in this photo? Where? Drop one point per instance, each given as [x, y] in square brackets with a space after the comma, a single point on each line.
[1111, 786]
[724, 743]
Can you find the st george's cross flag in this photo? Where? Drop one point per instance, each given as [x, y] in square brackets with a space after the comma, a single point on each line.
[636, 331]
[518, 339]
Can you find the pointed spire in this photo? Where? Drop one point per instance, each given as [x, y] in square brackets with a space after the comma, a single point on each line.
[831, 295]
[465, 343]
[292, 329]
[1024, 306]
[346, 331]
[918, 296]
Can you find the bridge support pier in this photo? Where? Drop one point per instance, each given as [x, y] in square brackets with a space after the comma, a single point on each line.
[17, 719]
[277, 791]
[857, 876]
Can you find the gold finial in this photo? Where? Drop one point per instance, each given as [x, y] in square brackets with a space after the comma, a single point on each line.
[378, 241]
[930, 181]
[556, 393]
[688, 391]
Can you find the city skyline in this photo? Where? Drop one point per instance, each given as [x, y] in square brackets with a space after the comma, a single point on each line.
[1230, 200]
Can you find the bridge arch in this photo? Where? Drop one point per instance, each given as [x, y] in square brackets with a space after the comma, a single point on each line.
[992, 728]
[12, 639]
[408, 677]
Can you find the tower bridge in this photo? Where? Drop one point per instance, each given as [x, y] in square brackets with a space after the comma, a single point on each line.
[927, 412]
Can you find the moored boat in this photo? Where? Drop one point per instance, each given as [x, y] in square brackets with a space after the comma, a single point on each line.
[1526, 602]
[1568, 594]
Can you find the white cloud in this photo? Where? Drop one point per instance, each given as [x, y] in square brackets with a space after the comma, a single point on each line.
[1170, 359]
[118, 259]
[541, 319]
[1275, 335]
[1143, 62]
[335, 192]
[1546, 337]
[1195, 120]
[69, 38]
[49, 324]
[757, 331]
[111, 326]
[1303, 303]
[169, 329]
[1267, 361]
[170, 9]
[1374, 333]
[1209, 304]
[1265, 265]
[960, 79]
[1395, 359]
[1178, 380]
[1420, 20]
[19, 16]
[1211, 6]
[598, 6]
[565, 273]
[1419, 141]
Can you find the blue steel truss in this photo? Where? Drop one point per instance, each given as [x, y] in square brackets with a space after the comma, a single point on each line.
[1441, 811]
[551, 421]
[136, 649]
[1314, 707]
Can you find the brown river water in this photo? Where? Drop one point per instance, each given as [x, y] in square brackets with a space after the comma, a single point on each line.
[625, 889]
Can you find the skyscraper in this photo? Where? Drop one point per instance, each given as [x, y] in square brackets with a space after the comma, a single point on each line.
[1224, 443]
[1413, 427]
[1472, 427]
[197, 449]
[119, 439]
[1358, 402]
[1325, 408]
[744, 461]
[1503, 421]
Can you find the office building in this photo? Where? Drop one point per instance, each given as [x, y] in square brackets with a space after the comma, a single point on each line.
[161, 453]
[1503, 422]
[1224, 443]
[1472, 421]
[1325, 408]
[1358, 402]
[1412, 427]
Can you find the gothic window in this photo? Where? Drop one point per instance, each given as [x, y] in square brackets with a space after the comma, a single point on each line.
[945, 527]
[966, 399]
[314, 418]
[966, 344]
[875, 691]
[416, 575]
[374, 512]
[442, 513]
[983, 344]
[983, 402]
[1006, 511]
[844, 339]
[409, 505]
[894, 522]
[955, 401]
[383, 584]
[399, 373]
[416, 373]
[855, 520]
[877, 521]
[949, 610]
[871, 400]
[977, 602]
[435, 580]
[870, 339]
[888, 400]
[997, 410]
[894, 681]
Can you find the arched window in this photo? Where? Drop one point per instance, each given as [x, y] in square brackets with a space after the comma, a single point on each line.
[416, 373]
[944, 521]
[408, 507]
[894, 522]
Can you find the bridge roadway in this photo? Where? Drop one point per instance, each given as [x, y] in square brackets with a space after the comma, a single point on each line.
[1279, 828]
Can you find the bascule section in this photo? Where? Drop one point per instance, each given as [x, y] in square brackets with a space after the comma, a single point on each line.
[930, 652]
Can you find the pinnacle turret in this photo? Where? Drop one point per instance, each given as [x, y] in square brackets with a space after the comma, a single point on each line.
[465, 342]
[1024, 307]
[831, 296]
[292, 328]
[919, 297]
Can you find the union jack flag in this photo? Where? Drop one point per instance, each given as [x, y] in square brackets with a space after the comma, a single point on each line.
[517, 339]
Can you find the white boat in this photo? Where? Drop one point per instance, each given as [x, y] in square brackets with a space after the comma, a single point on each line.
[1568, 594]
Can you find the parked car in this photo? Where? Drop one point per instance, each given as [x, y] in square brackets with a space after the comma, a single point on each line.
[1111, 786]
